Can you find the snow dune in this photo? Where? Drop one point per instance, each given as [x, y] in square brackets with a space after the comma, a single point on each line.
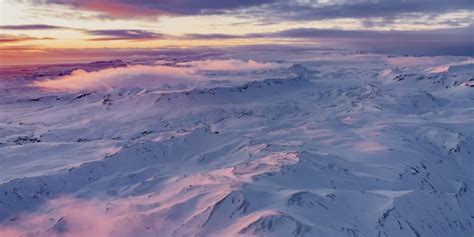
[359, 145]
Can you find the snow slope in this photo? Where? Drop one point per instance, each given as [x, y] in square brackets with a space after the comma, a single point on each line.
[329, 143]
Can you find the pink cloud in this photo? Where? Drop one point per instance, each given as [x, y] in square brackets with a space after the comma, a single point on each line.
[120, 10]
[125, 77]
[152, 8]
[149, 76]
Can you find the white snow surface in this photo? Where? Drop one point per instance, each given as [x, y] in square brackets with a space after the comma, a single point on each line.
[322, 143]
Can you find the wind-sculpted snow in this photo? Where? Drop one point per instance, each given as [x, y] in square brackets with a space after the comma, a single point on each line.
[358, 145]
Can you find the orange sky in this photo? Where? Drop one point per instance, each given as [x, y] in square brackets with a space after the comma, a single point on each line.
[115, 24]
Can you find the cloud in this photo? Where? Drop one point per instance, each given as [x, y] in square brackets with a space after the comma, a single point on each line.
[106, 34]
[4, 38]
[454, 42]
[127, 77]
[457, 41]
[150, 8]
[230, 65]
[294, 10]
[297, 10]
[131, 35]
[184, 75]
[331, 33]
[209, 36]
[32, 27]
[37, 54]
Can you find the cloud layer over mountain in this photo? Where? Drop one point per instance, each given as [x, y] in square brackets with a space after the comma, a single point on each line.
[185, 75]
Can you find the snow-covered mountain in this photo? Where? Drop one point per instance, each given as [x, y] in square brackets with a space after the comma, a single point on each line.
[307, 143]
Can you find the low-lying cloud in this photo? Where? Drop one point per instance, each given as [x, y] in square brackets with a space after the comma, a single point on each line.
[230, 65]
[184, 75]
[126, 77]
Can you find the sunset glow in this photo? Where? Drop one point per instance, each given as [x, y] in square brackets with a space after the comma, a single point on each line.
[32, 29]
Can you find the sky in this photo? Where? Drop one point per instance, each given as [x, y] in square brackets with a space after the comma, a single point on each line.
[41, 29]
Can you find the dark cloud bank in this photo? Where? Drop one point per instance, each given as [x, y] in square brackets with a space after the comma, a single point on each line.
[279, 9]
